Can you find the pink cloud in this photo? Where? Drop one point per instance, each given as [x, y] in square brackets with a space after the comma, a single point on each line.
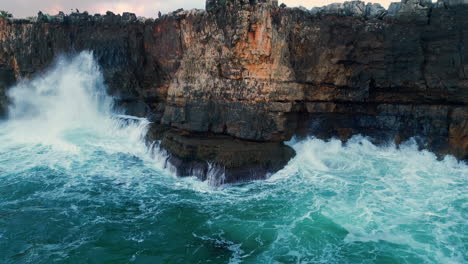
[149, 8]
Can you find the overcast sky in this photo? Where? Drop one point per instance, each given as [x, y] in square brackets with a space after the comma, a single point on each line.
[148, 8]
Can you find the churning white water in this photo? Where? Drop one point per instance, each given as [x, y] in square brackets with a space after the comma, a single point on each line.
[66, 105]
[77, 185]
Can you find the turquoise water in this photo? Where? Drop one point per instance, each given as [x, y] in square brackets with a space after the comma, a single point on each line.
[77, 185]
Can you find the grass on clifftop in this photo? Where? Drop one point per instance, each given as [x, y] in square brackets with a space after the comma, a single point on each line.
[5, 14]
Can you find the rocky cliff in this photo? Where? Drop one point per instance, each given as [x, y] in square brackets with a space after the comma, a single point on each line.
[259, 72]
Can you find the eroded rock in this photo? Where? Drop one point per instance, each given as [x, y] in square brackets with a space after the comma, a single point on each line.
[375, 11]
[257, 72]
[394, 8]
[217, 158]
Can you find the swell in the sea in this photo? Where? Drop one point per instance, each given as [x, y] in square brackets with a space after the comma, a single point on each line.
[77, 183]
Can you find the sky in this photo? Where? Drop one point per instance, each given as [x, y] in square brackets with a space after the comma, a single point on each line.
[147, 8]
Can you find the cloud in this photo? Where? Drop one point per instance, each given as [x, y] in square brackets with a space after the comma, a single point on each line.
[148, 8]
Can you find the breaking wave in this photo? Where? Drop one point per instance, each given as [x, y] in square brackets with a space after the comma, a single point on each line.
[78, 185]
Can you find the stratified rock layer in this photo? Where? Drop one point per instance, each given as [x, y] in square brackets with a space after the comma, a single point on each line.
[254, 71]
[230, 160]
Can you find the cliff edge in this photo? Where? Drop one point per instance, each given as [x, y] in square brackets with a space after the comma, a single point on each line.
[258, 73]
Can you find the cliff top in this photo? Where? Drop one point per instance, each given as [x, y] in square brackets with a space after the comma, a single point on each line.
[350, 8]
[215, 4]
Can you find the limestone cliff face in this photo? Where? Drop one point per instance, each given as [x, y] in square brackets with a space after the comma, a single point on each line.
[263, 73]
[259, 72]
[132, 71]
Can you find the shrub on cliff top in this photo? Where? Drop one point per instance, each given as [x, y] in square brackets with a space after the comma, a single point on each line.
[5, 14]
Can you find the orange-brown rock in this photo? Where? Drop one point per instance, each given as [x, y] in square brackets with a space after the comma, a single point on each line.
[255, 71]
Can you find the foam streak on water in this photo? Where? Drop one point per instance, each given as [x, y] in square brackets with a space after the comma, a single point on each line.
[78, 185]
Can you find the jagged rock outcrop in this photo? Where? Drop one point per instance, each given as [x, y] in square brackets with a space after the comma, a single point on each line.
[394, 8]
[375, 11]
[230, 160]
[253, 71]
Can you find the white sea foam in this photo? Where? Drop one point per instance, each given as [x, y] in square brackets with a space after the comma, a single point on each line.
[344, 194]
[67, 107]
[399, 195]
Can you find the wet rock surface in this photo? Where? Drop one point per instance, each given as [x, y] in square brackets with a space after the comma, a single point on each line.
[259, 72]
[219, 159]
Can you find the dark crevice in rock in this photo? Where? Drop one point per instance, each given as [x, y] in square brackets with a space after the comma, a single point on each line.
[461, 48]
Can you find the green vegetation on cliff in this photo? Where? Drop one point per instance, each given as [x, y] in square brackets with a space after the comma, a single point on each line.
[5, 14]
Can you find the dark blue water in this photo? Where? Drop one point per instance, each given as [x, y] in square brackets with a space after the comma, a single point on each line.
[77, 185]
